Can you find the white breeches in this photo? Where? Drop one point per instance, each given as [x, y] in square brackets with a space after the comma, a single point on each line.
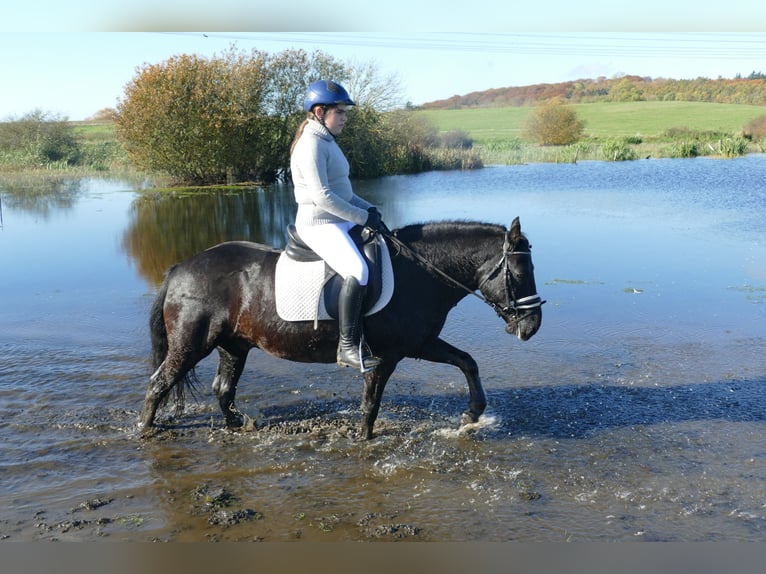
[332, 243]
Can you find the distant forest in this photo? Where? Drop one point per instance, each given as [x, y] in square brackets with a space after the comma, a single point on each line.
[739, 90]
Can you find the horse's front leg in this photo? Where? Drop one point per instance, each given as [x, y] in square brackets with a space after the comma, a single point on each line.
[374, 384]
[438, 351]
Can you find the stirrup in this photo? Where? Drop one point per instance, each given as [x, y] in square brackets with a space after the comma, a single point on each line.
[366, 360]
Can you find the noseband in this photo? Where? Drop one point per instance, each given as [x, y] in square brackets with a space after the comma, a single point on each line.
[514, 309]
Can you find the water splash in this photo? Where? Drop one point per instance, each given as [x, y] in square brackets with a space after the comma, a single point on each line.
[490, 422]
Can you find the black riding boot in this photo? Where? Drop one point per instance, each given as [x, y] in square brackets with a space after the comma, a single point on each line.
[352, 351]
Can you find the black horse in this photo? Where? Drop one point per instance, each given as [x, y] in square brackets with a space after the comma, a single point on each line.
[223, 298]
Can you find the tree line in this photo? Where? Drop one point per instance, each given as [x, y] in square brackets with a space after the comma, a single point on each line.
[749, 90]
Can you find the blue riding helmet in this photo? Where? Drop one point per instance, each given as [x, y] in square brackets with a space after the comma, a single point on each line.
[327, 93]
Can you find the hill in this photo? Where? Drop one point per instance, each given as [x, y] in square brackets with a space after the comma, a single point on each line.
[746, 91]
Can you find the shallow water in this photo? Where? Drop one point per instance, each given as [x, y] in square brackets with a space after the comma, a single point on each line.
[636, 413]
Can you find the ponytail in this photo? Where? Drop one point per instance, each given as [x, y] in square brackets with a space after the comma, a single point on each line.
[299, 131]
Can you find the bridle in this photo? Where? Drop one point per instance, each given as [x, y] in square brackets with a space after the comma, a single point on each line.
[513, 309]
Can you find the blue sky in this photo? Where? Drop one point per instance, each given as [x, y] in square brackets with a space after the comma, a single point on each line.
[74, 62]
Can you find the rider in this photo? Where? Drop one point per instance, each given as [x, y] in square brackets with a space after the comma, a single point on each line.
[328, 209]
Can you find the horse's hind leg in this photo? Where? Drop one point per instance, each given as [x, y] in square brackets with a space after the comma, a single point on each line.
[160, 384]
[230, 368]
[173, 371]
[438, 351]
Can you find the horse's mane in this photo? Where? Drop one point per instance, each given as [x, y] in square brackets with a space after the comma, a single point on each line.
[457, 246]
[437, 231]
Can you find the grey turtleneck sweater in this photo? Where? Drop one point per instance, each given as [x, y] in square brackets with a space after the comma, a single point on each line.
[320, 176]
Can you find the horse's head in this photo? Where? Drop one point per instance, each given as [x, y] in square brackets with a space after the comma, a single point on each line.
[510, 286]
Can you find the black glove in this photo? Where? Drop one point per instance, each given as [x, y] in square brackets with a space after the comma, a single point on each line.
[374, 220]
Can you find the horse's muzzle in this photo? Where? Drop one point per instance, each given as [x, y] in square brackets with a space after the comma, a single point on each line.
[525, 325]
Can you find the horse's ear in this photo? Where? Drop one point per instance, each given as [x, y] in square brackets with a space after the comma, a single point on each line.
[515, 232]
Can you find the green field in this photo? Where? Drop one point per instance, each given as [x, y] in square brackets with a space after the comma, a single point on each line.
[602, 120]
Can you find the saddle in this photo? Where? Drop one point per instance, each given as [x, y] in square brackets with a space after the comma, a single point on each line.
[307, 288]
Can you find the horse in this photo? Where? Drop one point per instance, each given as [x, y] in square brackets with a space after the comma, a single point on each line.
[224, 298]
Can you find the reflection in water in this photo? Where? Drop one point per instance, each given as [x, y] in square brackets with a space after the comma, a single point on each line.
[166, 228]
[45, 195]
[41, 197]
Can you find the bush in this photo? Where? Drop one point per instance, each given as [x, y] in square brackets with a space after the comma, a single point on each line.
[576, 151]
[553, 124]
[389, 143]
[683, 149]
[456, 139]
[199, 120]
[450, 158]
[732, 147]
[685, 133]
[38, 139]
[755, 129]
[618, 150]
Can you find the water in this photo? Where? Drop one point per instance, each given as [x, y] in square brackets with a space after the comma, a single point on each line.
[636, 413]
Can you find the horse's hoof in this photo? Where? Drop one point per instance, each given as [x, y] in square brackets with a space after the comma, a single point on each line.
[249, 424]
[146, 431]
[241, 422]
[468, 419]
[366, 433]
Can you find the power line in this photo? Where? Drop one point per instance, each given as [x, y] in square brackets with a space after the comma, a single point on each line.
[725, 46]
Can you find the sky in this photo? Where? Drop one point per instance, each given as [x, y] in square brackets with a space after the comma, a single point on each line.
[72, 60]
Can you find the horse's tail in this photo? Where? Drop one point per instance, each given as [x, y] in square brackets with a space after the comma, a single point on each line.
[159, 338]
[157, 328]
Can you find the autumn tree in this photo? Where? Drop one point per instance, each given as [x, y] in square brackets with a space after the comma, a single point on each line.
[199, 120]
[553, 123]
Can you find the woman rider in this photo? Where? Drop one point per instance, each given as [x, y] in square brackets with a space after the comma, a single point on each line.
[328, 209]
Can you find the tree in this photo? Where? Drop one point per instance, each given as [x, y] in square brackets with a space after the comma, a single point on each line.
[553, 123]
[104, 115]
[292, 71]
[626, 91]
[370, 89]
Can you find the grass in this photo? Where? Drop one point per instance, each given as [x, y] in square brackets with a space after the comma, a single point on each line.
[613, 131]
[95, 132]
[484, 125]
[602, 120]
[652, 119]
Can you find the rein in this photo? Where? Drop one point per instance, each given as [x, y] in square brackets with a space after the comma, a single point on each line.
[512, 305]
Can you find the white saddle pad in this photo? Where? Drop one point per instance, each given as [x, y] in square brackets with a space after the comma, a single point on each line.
[298, 287]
